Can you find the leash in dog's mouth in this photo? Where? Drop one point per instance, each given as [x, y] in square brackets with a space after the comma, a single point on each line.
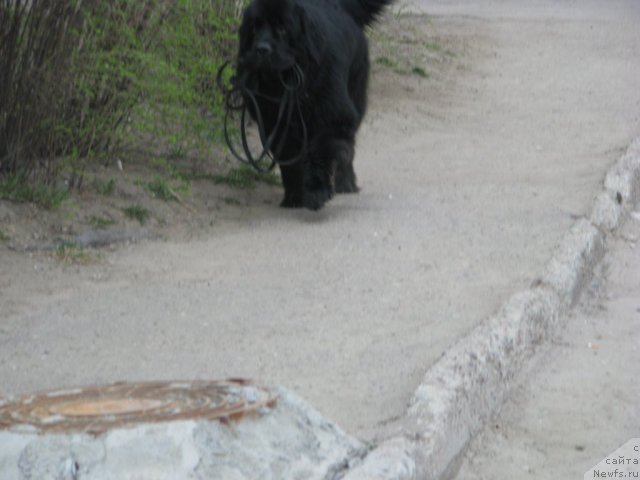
[292, 81]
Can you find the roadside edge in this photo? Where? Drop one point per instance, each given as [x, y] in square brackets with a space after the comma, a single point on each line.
[467, 385]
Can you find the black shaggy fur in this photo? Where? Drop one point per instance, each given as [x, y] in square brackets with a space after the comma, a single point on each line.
[326, 41]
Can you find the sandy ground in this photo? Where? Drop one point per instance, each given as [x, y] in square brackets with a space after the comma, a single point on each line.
[471, 171]
[578, 402]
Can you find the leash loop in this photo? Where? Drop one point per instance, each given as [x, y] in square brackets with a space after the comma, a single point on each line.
[289, 106]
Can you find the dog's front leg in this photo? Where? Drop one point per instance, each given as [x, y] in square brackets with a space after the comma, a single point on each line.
[319, 172]
[345, 176]
[293, 183]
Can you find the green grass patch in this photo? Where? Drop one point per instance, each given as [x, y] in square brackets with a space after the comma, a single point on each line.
[386, 62]
[242, 177]
[231, 201]
[137, 212]
[391, 64]
[17, 189]
[160, 189]
[437, 48]
[419, 71]
[433, 46]
[100, 223]
[166, 188]
[75, 255]
[105, 188]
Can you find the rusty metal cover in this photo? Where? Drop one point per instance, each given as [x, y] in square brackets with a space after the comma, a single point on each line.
[97, 409]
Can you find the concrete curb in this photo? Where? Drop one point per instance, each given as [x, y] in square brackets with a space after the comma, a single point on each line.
[461, 392]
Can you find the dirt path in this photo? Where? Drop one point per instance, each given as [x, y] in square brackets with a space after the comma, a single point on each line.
[469, 177]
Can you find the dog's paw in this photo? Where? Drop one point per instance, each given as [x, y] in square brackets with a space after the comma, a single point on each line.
[292, 201]
[346, 185]
[316, 198]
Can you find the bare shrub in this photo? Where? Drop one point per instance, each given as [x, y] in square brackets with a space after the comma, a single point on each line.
[74, 72]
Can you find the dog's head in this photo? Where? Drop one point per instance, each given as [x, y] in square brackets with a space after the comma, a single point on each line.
[272, 36]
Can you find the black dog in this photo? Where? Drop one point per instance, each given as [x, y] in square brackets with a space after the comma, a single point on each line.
[302, 69]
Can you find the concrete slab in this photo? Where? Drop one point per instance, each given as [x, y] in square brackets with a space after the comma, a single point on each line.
[174, 439]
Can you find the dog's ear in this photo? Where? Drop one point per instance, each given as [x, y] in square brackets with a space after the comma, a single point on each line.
[245, 31]
[313, 43]
[272, 10]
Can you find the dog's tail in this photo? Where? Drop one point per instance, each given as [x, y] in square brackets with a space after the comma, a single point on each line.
[365, 12]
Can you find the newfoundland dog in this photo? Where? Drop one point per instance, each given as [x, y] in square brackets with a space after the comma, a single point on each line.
[302, 70]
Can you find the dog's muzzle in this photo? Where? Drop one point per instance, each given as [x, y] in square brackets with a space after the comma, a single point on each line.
[263, 49]
[266, 57]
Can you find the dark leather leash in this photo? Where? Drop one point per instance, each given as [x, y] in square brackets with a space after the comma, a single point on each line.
[288, 105]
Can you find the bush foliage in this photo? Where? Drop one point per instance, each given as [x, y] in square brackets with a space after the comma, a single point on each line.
[80, 77]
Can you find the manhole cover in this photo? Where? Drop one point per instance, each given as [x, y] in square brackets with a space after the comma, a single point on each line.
[98, 409]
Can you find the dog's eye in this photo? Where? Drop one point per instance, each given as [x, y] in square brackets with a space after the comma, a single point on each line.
[281, 32]
[257, 25]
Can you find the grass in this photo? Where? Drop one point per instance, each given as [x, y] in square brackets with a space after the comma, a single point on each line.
[405, 54]
[3, 237]
[245, 177]
[75, 255]
[17, 189]
[391, 64]
[105, 188]
[386, 62]
[433, 46]
[166, 189]
[160, 189]
[137, 212]
[421, 72]
[437, 48]
[242, 177]
[231, 201]
[100, 222]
